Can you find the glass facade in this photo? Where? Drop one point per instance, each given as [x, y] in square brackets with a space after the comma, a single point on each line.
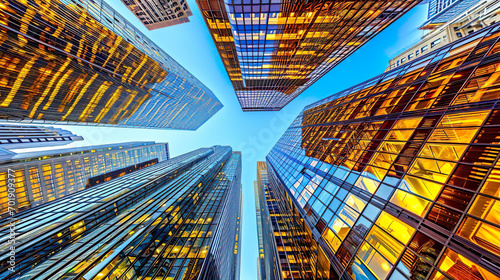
[437, 6]
[289, 250]
[177, 219]
[78, 62]
[443, 11]
[274, 50]
[268, 262]
[398, 177]
[44, 176]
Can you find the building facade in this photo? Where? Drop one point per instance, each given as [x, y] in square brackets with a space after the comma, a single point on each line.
[463, 18]
[287, 249]
[274, 50]
[177, 219]
[90, 65]
[160, 13]
[268, 265]
[28, 136]
[398, 177]
[44, 176]
[438, 6]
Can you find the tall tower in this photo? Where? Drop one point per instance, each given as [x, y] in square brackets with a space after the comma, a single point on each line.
[436, 7]
[442, 11]
[274, 50]
[286, 248]
[90, 65]
[398, 177]
[177, 219]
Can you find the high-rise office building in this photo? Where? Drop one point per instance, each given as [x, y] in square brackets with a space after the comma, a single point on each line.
[287, 249]
[274, 50]
[267, 269]
[79, 62]
[160, 13]
[398, 177]
[43, 176]
[28, 136]
[461, 19]
[437, 6]
[177, 219]
[439, 10]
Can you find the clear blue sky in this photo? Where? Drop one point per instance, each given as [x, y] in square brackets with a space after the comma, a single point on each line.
[253, 133]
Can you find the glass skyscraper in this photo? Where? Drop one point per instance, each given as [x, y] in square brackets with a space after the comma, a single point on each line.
[442, 11]
[437, 6]
[274, 50]
[177, 219]
[44, 176]
[78, 61]
[267, 261]
[399, 177]
[287, 249]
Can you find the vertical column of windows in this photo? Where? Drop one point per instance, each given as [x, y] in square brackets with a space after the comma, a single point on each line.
[48, 182]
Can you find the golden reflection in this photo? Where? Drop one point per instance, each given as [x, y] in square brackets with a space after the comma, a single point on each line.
[410, 202]
[398, 229]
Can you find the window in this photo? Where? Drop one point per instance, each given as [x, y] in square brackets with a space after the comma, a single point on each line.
[410, 56]
[436, 42]
[417, 52]
[424, 48]
[403, 59]
[457, 266]
[459, 34]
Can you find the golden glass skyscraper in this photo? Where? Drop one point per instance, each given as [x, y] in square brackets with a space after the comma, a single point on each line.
[80, 62]
[274, 50]
[399, 177]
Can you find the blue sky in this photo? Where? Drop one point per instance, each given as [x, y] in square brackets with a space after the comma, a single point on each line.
[253, 133]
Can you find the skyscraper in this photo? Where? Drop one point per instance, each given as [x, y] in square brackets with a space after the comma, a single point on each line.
[43, 176]
[287, 249]
[463, 18]
[274, 50]
[398, 177]
[267, 262]
[177, 219]
[451, 7]
[80, 62]
[28, 136]
[161, 13]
